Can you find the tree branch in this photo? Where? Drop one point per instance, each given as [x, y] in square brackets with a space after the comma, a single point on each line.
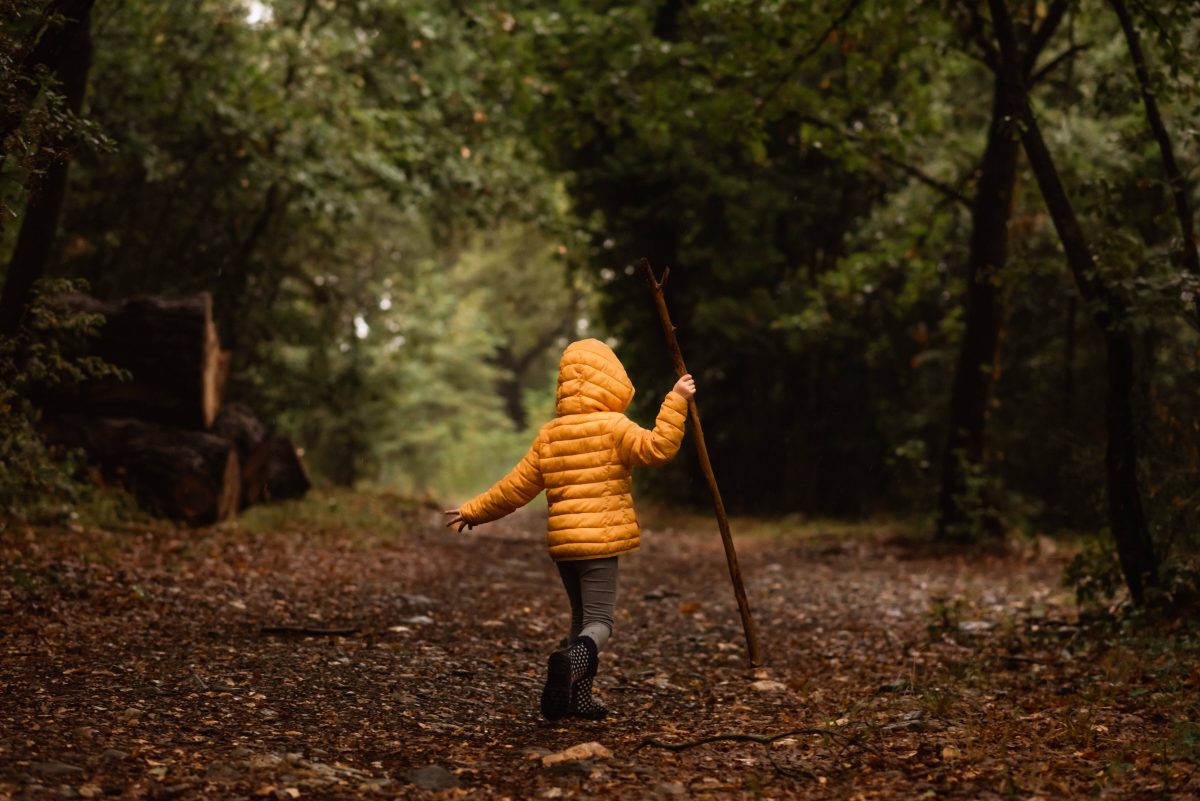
[974, 33]
[761, 739]
[1164, 35]
[1079, 255]
[912, 171]
[736, 737]
[808, 52]
[1110, 311]
[1053, 63]
[933, 183]
[1175, 179]
[1044, 33]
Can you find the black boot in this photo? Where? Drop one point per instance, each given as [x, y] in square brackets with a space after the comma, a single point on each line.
[583, 705]
[564, 669]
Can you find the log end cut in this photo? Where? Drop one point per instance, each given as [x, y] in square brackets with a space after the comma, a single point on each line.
[169, 347]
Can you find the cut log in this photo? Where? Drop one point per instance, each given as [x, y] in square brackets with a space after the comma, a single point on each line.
[170, 348]
[184, 475]
[220, 375]
[287, 477]
[237, 423]
[272, 469]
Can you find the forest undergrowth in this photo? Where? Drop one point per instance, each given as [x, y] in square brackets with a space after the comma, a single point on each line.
[350, 647]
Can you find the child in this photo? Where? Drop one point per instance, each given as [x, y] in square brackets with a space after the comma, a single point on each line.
[583, 458]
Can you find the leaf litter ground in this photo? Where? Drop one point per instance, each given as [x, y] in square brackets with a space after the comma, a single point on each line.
[135, 664]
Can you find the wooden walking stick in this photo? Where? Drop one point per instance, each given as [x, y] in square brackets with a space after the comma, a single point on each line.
[735, 573]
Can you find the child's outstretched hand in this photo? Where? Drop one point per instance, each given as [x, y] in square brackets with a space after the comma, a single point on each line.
[685, 386]
[456, 518]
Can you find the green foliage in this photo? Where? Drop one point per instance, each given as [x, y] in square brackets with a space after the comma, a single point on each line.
[45, 132]
[979, 502]
[363, 518]
[1178, 592]
[780, 159]
[1094, 574]
[49, 350]
[735, 145]
[944, 616]
[307, 165]
[911, 465]
[1096, 577]
[407, 389]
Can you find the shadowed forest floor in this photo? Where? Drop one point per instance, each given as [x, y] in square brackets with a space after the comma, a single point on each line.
[134, 664]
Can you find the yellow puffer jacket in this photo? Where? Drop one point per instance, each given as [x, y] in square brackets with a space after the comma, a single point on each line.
[583, 459]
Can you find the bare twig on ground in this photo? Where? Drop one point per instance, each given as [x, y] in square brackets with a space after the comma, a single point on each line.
[761, 739]
[791, 771]
[305, 631]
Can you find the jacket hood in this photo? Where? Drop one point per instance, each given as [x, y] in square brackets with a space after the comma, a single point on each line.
[591, 379]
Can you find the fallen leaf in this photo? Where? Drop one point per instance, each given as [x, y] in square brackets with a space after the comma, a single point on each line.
[591, 750]
[976, 626]
[769, 686]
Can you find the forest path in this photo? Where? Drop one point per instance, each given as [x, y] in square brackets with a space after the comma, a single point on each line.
[134, 664]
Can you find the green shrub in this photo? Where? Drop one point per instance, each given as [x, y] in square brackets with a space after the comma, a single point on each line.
[1094, 573]
[38, 481]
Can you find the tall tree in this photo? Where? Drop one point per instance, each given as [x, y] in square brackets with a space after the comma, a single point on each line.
[964, 507]
[1189, 257]
[1111, 314]
[71, 54]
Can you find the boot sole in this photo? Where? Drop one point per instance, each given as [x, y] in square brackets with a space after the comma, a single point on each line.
[556, 695]
[597, 716]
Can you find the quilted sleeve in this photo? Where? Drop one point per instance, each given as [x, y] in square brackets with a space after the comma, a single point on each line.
[637, 447]
[510, 493]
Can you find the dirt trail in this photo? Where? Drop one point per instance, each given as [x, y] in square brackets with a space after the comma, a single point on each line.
[133, 664]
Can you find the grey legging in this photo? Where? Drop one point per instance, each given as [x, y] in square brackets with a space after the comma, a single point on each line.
[592, 587]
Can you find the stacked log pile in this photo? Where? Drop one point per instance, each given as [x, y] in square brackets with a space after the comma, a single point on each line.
[164, 432]
[170, 349]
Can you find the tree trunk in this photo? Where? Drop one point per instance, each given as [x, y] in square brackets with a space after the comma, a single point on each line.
[171, 350]
[1127, 519]
[180, 474]
[963, 513]
[1068, 378]
[1189, 256]
[1111, 314]
[978, 362]
[44, 206]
